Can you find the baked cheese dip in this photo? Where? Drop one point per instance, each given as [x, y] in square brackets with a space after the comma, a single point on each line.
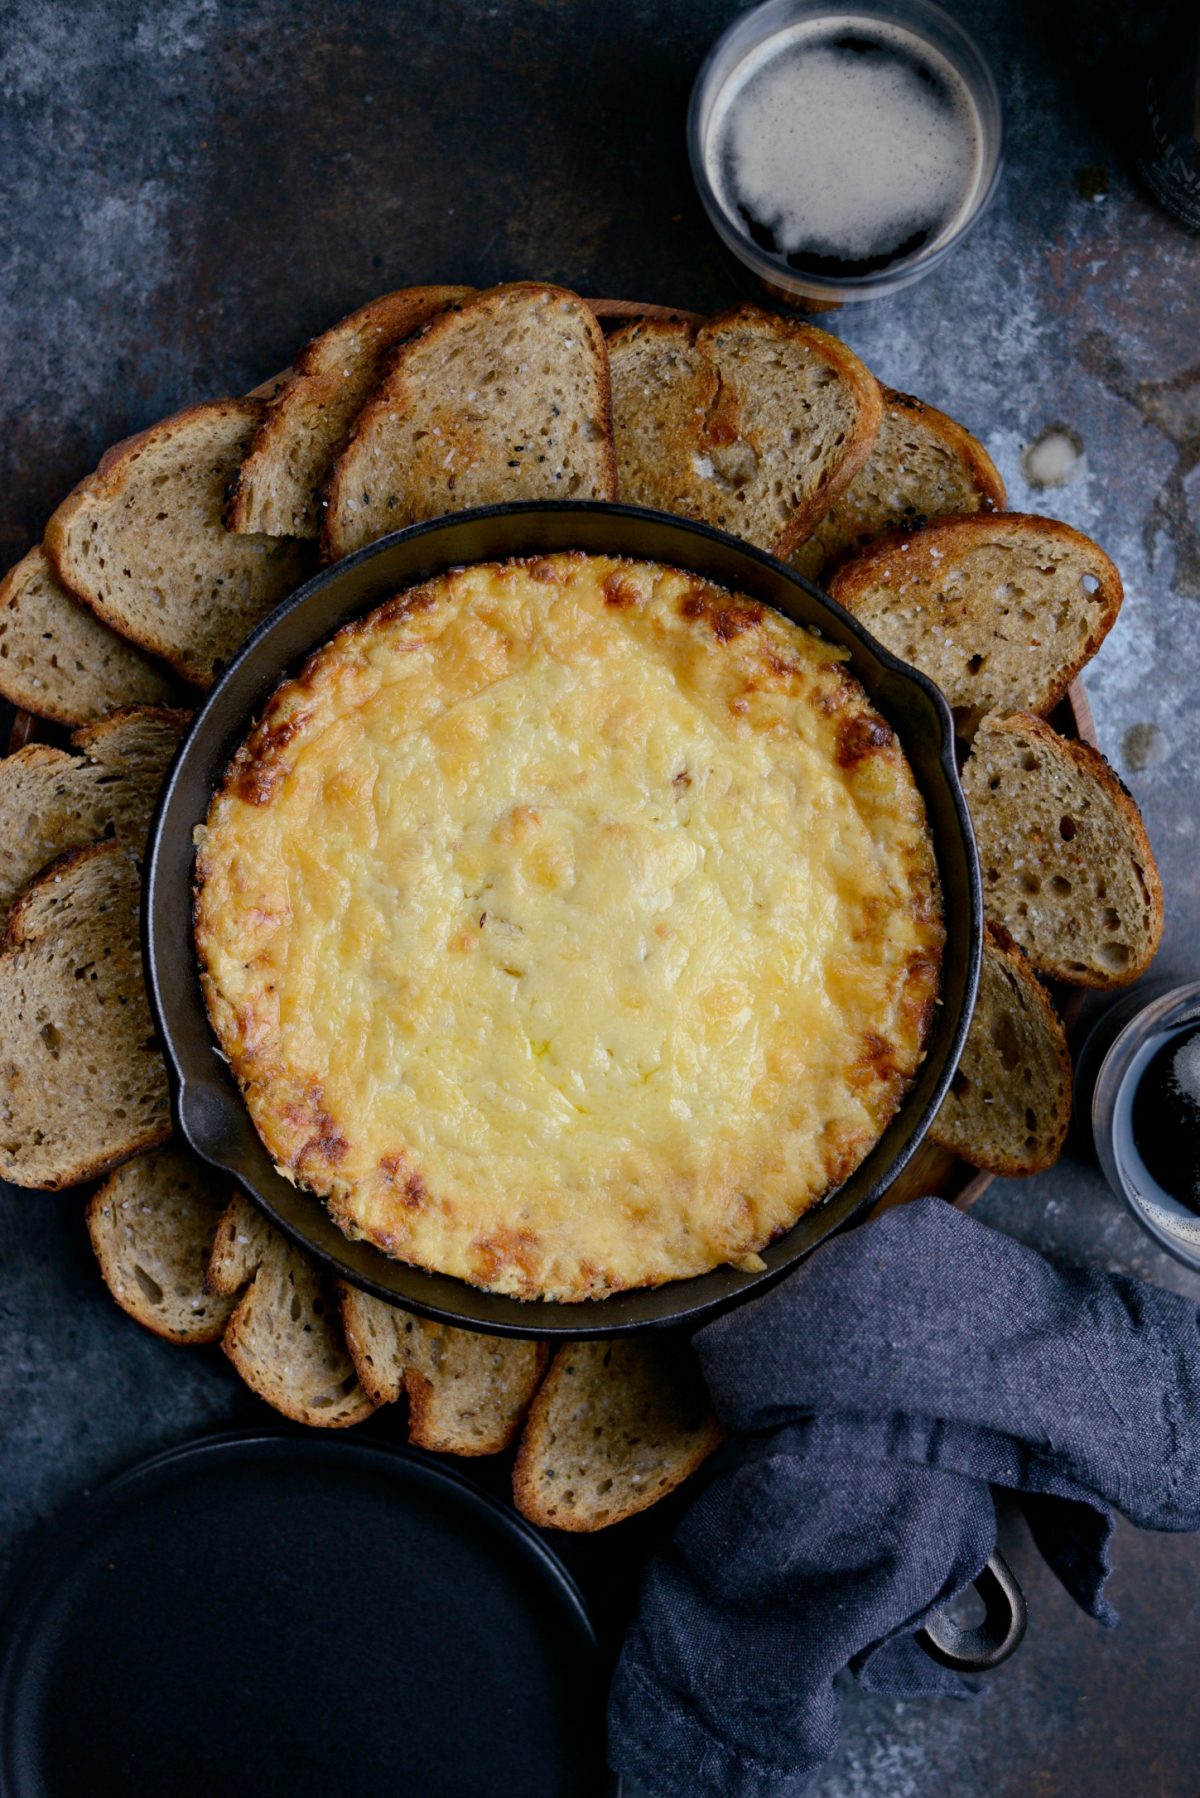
[570, 925]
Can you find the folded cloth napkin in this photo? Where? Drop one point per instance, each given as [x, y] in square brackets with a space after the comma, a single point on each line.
[873, 1400]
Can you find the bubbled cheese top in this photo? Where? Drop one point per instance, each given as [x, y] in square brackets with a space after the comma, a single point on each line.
[570, 925]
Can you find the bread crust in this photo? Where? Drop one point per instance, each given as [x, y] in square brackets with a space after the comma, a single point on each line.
[998, 942]
[1094, 766]
[967, 447]
[868, 412]
[528, 1491]
[18, 933]
[389, 395]
[100, 490]
[316, 378]
[37, 696]
[139, 1310]
[958, 532]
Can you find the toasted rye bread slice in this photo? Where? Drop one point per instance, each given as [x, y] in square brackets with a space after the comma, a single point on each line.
[277, 490]
[1067, 866]
[285, 1336]
[152, 1225]
[503, 398]
[51, 801]
[923, 464]
[467, 1393]
[142, 541]
[82, 1083]
[614, 1427]
[58, 660]
[1009, 1102]
[749, 422]
[1001, 609]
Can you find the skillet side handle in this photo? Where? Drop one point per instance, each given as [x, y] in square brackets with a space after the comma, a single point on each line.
[989, 1643]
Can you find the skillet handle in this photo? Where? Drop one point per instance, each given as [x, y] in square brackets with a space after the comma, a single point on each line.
[989, 1643]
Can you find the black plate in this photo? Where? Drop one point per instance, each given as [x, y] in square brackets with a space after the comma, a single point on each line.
[271, 1613]
[208, 1108]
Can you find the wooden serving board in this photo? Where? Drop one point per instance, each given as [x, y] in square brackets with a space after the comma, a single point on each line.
[932, 1169]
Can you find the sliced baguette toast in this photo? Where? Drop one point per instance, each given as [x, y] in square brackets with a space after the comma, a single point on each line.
[467, 1393]
[82, 1083]
[1067, 866]
[51, 801]
[505, 397]
[923, 464]
[614, 1427]
[1009, 1103]
[748, 422]
[59, 661]
[1001, 609]
[278, 488]
[285, 1336]
[142, 541]
[152, 1225]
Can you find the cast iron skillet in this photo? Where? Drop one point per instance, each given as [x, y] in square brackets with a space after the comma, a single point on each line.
[208, 1108]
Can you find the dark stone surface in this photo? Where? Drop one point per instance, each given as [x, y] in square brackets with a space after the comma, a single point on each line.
[191, 188]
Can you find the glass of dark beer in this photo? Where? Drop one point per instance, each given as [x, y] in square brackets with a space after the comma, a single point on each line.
[842, 151]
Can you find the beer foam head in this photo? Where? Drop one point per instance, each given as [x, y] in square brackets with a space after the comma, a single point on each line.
[845, 143]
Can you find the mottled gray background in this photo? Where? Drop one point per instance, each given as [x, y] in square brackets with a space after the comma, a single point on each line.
[189, 190]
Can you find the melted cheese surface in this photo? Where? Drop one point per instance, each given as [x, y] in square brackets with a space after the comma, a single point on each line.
[570, 925]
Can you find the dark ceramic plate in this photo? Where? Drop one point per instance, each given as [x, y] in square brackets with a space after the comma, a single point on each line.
[208, 1108]
[202, 1626]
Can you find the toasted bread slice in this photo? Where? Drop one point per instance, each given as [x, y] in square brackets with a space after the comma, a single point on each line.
[467, 1393]
[82, 1083]
[152, 1225]
[1001, 609]
[143, 543]
[923, 464]
[1067, 866]
[57, 659]
[748, 422]
[614, 1427]
[285, 1336]
[503, 398]
[278, 488]
[1009, 1103]
[51, 801]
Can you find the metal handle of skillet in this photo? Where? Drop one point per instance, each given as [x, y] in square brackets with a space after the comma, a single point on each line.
[980, 1647]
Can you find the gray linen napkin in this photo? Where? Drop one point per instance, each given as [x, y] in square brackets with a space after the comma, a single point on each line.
[873, 1400]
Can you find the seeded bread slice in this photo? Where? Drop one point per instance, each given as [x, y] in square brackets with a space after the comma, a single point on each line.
[142, 541]
[748, 422]
[1009, 1102]
[1067, 866]
[57, 659]
[82, 1083]
[152, 1226]
[51, 801]
[277, 490]
[285, 1336]
[1002, 610]
[467, 1393]
[503, 398]
[614, 1427]
[923, 464]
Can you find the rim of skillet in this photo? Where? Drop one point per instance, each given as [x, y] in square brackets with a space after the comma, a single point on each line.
[207, 1108]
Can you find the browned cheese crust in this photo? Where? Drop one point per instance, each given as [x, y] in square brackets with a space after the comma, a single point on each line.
[570, 925]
